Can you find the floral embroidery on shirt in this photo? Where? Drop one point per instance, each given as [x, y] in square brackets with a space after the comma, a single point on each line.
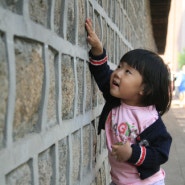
[123, 128]
[125, 131]
[114, 128]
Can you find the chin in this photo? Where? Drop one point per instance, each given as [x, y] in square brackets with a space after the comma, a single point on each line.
[114, 94]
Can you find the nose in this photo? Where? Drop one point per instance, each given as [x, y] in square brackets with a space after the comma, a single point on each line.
[118, 73]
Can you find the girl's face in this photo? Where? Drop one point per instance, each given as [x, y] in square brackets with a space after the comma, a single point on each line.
[126, 84]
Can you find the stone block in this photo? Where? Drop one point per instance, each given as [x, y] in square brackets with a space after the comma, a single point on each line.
[109, 4]
[88, 88]
[94, 142]
[3, 88]
[121, 21]
[80, 79]
[22, 175]
[86, 149]
[103, 175]
[124, 3]
[104, 4]
[97, 25]
[117, 13]
[76, 156]
[40, 11]
[71, 22]
[104, 39]
[68, 87]
[98, 178]
[93, 183]
[51, 108]
[100, 2]
[12, 5]
[112, 11]
[98, 144]
[63, 161]
[58, 16]
[116, 48]
[103, 140]
[90, 11]
[29, 82]
[46, 166]
[81, 20]
[111, 53]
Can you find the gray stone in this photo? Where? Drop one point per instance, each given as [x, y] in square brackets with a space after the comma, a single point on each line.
[45, 167]
[68, 87]
[3, 88]
[51, 108]
[29, 81]
[20, 176]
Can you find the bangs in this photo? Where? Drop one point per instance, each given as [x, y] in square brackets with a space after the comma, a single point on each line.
[134, 60]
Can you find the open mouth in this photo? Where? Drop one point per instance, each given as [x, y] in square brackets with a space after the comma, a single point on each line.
[115, 83]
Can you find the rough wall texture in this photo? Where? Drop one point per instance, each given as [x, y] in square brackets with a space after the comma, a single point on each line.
[49, 103]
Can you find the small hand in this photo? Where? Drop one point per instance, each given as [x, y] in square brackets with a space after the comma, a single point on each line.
[92, 38]
[122, 152]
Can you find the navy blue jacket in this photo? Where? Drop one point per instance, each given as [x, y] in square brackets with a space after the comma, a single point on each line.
[155, 139]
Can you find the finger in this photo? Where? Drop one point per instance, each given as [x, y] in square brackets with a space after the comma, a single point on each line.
[88, 25]
[89, 21]
[114, 147]
[89, 39]
[113, 153]
[89, 30]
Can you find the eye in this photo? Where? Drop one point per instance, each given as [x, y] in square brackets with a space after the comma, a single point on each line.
[119, 66]
[128, 71]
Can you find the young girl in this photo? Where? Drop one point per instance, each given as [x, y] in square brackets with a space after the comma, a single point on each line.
[137, 93]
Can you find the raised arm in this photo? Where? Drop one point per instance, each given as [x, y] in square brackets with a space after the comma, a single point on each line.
[93, 40]
[98, 61]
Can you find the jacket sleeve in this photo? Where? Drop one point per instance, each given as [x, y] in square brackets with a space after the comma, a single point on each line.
[151, 149]
[101, 72]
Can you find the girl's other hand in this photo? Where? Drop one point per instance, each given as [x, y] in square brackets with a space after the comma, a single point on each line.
[123, 152]
[92, 39]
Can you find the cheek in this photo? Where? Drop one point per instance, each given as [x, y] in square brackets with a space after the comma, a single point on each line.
[111, 77]
[129, 86]
[125, 88]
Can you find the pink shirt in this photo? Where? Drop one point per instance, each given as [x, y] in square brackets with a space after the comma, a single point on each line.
[125, 123]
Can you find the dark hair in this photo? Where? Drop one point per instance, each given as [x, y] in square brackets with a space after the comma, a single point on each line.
[156, 77]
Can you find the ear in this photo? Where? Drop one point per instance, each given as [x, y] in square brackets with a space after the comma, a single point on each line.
[147, 89]
[142, 91]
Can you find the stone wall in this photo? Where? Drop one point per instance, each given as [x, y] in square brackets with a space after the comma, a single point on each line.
[49, 102]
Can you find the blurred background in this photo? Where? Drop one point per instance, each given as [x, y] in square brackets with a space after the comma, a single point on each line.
[174, 54]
